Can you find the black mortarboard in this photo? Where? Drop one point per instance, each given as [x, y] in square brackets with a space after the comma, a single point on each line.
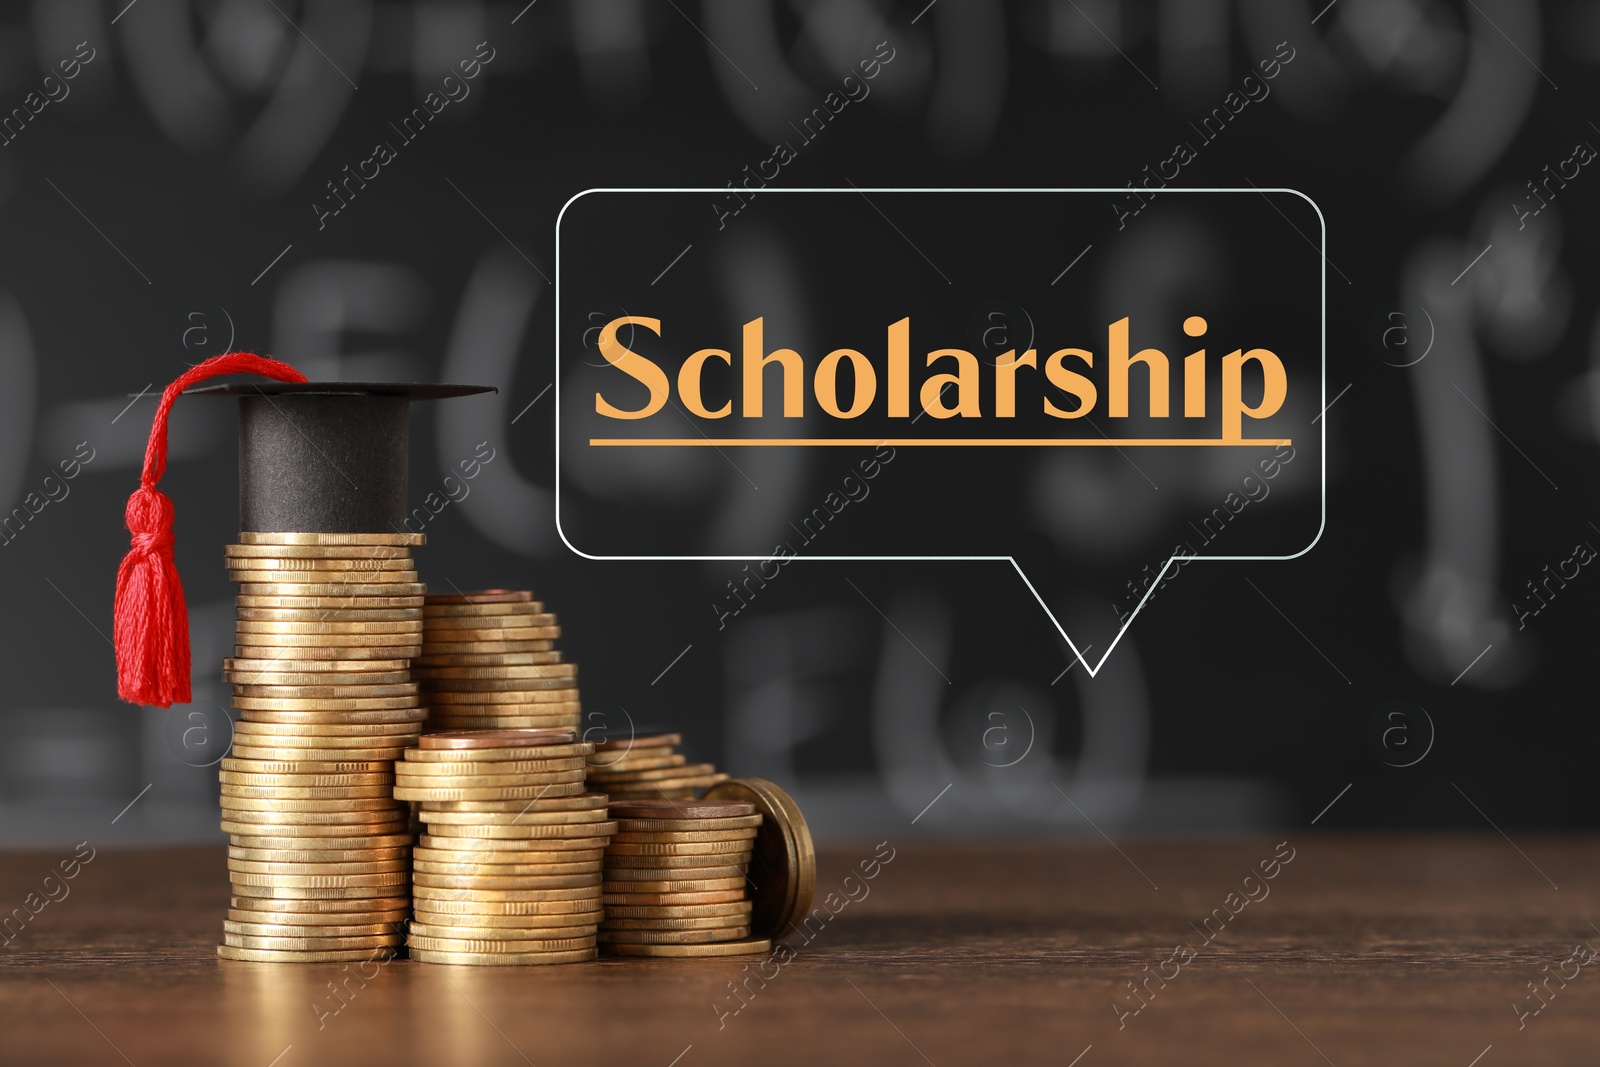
[314, 457]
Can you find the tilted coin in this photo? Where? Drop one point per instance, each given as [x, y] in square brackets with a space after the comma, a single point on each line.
[783, 866]
[734, 822]
[522, 607]
[316, 552]
[506, 623]
[341, 602]
[672, 937]
[482, 596]
[275, 537]
[742, 947]
[250, 955]
[667, 809]
[500, 959]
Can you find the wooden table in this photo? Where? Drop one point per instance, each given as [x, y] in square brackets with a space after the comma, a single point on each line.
[1363, 950]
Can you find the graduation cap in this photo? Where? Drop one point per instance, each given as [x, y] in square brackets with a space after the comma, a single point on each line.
[314, 457]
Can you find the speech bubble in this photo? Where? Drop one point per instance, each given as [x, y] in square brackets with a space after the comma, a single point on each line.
[1096, 386]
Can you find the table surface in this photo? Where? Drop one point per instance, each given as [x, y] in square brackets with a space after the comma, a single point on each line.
[1392, 950]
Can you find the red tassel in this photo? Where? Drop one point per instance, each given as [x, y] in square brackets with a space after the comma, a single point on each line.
[150, 618]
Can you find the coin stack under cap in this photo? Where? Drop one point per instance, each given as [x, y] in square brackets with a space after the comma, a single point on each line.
[319, 853]
[675, 879]
[509, 868]
[489, 662]
[646, 767]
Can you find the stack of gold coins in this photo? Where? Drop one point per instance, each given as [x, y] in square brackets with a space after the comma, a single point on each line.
[675, 875]
[489, 662]
[645, 766]
[319, 849]
[509, 868]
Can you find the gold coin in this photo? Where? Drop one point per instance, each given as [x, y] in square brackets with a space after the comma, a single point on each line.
[347, 818]
[674, 788]
[294, 892]
[484, 716]
[405, 618]
[678, 911]
[319, 856]
[327, 691]
[603, 763]
[639, 742]
[536, 885]
[534, 641]
[341, 672]
[317, 679]
[335, 602]
[499, 870]
[305, 704]
[680, 837]
[490, 768]
[316, 552]
[717, 898]
[287, 767]
[332, 588]
[679, 885]
[508, 818]
[534, 655]
[552, 945]
[783, 862]
[682, 863]
[294, 642]
[261, 929]
[520, 621]
[302, 834]
[451, 700]
[673, 937]
[543, 902]
[502, 690]
[291, 792]
[323, 734]
[497, 832]
[450, 677]
[742, 947]
[506, 792]
[312, 746]
[737, 822]
[319, 881]
[414, 717]
[314, 563]
[279, 537]
[500, 959]
[400, 864]
[711, 922]
[526, 607]
[579, 804]
[580, 911]
[356, 780]
[478, 755]
[691, 848]
[489, 881]
[327, 629]
[322, 579]
[246, 808]
[250, 955]
[338, 911]
[343, 653]
[259, 845]
[671, 869]
[659, 774]
[484, 596]
[311, 944]
[507, 927]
